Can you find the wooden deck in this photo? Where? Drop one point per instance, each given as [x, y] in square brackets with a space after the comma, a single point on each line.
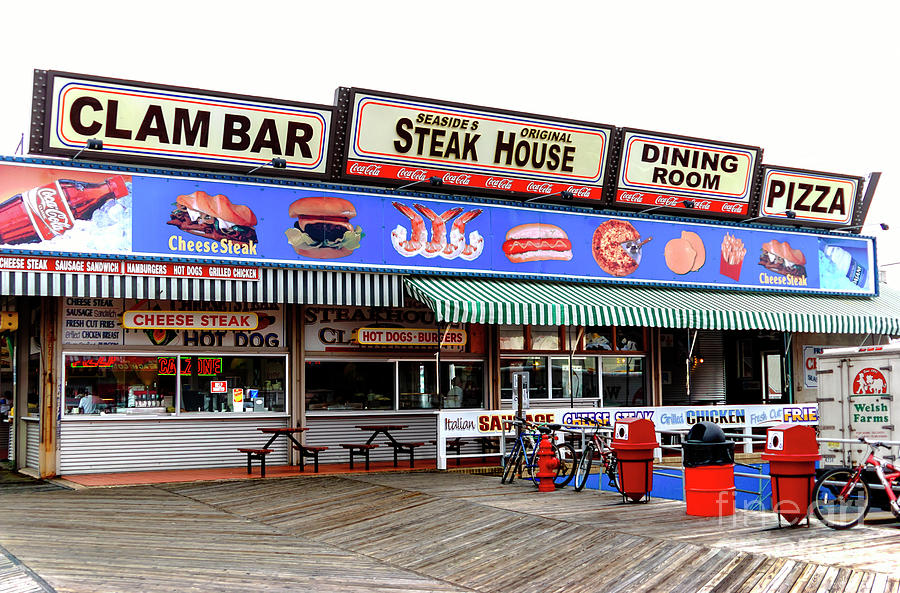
[420, 532]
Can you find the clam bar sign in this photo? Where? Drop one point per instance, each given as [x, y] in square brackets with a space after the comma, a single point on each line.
[665, 170]
[144, 122]
[412, 140]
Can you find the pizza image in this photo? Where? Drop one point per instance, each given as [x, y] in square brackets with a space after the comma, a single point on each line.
[616, 247]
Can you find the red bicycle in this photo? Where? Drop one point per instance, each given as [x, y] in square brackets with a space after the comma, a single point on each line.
[841, 497]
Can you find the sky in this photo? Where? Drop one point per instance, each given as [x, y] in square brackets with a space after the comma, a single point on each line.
[812, 83]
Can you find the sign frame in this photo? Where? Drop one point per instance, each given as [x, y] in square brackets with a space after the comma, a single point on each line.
[855, 212]
[704, 203]
[44, 118]
[477, 178]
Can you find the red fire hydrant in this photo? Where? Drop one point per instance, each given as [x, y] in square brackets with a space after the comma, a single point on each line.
[548, 464]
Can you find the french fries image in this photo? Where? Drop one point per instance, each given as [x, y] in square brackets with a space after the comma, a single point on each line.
[732, 257]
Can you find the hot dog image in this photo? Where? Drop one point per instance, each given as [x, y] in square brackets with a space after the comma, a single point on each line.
[536, 242]
[780, 258]
[214, 217]
[323, 229]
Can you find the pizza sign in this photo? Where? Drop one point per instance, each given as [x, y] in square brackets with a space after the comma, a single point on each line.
[869, 381]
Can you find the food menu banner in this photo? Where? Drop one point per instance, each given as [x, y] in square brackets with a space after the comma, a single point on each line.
[140, 122]
[249, 224]
[412, 140]
[663, 170]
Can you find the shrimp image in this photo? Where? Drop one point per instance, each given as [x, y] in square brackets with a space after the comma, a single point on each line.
[418, 238]
[457, 246]
[438, 241]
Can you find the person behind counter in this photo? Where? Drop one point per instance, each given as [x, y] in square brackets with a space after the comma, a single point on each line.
[88, 403]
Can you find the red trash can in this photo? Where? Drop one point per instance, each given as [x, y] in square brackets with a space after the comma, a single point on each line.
[634, 440]
[792, 452]
[708, 459]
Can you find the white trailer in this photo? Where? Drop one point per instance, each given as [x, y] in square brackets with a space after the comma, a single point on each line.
[857, 398]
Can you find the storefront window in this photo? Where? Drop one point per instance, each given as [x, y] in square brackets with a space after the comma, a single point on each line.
[598, 338]
[134, 384]
[544, 338]
[583, 378]
[208, 383]
[535, 366]
[512, 337]
[349, 385]
[418, 385]
[117, 385]
[623, 381]
[630, 338]
[462, 384]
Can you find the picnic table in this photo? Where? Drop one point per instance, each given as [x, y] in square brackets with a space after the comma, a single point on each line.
[383, 429]
[306, 451]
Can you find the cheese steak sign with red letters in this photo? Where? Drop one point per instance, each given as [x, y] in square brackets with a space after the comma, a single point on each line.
[144, 122]
[412, 140]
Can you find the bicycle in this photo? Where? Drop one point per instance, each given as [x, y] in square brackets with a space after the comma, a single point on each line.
[597, 445]
[523, 458]
[841, 497]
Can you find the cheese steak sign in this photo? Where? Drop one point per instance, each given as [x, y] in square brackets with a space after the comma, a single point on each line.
[664, 170]
[139, 121]
[126, 268]
[824, 198]
[409, 140]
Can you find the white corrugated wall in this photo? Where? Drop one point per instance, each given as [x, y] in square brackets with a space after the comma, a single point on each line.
[171, 443]
[32, 443]
[331, 431]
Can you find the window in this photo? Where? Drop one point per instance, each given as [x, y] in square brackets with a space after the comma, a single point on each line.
[350, 385]
[630, 338]
[583, 378]
[512, 337]
[462, 384]
[598, 338]
[147, 383]
[544, 338]
[418, 385]
[536, 366]
[623, 381]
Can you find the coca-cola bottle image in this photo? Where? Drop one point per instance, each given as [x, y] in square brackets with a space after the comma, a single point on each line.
[50, 210]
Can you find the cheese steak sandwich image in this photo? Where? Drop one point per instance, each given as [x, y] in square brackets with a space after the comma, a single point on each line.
[323, 229]
[780, 258]
[214, 217]
[537, 242]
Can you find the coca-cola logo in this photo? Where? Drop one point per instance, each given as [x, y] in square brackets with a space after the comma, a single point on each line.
[669, 201]
[636, 198]
[580, 192]
[363, 169]
[539, 188]
[739, 208]
[412, 174]
[457, 179]
[498, 183]
[52, 212]
[702, 204]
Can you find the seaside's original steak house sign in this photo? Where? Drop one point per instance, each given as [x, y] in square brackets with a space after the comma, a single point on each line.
[665, 170]
[408, 139]
[139, 121]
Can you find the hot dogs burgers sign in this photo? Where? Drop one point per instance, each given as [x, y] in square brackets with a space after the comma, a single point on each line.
[408, 140]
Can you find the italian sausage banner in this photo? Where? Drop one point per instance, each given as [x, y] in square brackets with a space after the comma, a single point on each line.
[78, 211]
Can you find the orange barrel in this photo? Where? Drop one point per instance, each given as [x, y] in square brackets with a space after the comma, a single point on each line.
[792, 452]
[708, 459]
[634, 440]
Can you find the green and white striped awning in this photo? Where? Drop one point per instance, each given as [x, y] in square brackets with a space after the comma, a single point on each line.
[483, 300]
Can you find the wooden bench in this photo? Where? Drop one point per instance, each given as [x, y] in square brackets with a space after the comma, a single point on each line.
[358, 450]
[453, 445]
[406, 448]
[259, 454]
[310, 452]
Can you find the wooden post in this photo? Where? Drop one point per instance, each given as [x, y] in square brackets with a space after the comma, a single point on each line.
[50, 390]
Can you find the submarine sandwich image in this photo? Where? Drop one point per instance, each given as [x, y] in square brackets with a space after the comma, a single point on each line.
[213, 217]
[323, 229]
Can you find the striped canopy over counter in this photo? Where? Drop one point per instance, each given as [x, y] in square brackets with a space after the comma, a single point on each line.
[483, 300]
